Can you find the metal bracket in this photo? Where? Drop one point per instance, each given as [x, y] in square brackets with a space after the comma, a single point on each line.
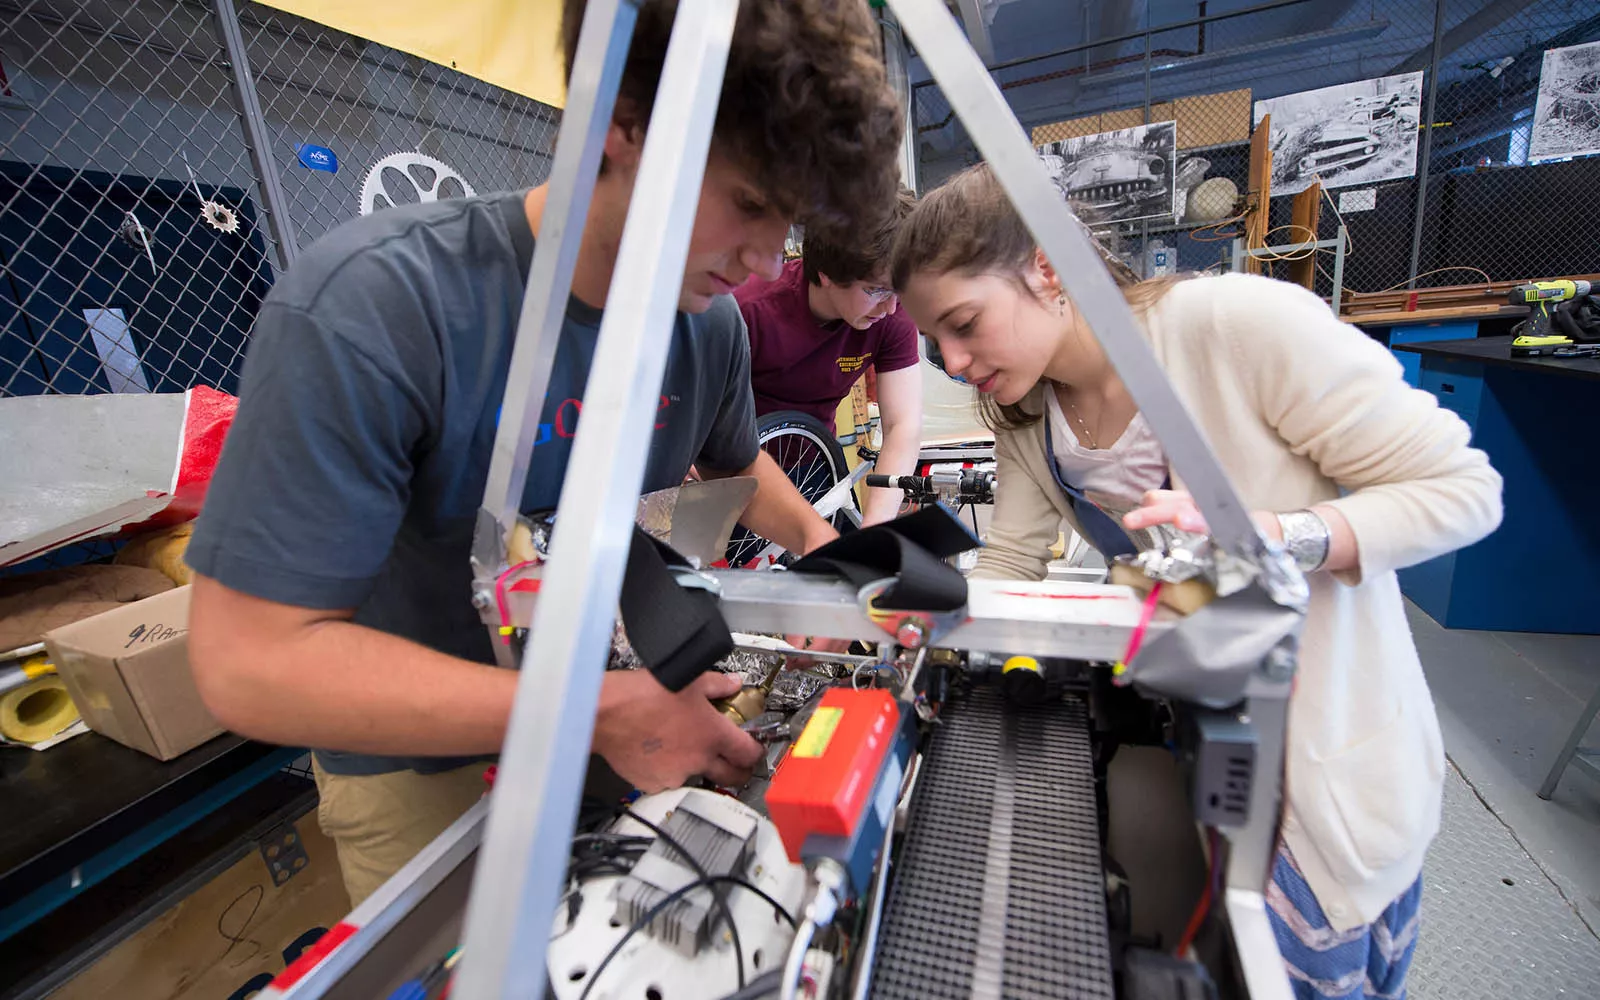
[910, 629]
[693, 579]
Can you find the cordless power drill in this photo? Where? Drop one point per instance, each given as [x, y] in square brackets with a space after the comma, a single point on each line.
[1536, 334]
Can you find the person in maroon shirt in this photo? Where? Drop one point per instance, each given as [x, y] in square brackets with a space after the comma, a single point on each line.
[816, 328]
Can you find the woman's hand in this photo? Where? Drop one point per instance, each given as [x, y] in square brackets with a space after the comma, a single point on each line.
[1177, 508]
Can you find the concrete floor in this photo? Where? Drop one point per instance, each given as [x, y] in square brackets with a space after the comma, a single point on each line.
[1512, 887]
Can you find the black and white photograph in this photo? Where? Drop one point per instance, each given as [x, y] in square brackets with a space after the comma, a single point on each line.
[1566, 120]
[1117, 176]
[1352, 133]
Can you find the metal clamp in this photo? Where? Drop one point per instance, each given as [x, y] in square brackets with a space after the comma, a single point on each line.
[909, 628]
[692, 579]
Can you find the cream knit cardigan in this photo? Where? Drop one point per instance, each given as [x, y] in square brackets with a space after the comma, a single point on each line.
[1302, 409]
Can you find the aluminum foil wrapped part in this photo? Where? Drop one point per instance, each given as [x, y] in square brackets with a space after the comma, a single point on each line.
[654, 513]
[1177, 556]
[794, 688]
[751, 666]
[791, 689]
[623, 656]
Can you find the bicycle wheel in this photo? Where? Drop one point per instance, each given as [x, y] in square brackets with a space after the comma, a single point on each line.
[807, 453]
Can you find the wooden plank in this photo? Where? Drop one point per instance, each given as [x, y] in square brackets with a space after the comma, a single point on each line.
[1398, 298]
[1432, 315]
[1258, 194]
[230, 931]
[1306, 213]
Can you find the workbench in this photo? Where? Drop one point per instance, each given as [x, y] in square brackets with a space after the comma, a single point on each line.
[88, 815]
[1398, 329]
[1535, 417]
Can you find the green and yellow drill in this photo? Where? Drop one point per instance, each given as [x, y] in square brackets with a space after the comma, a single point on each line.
[1536, 336]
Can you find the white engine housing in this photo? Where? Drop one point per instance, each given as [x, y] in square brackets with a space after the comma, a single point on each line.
[649, 969]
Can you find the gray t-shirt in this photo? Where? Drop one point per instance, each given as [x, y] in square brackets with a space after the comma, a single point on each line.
[356, 464]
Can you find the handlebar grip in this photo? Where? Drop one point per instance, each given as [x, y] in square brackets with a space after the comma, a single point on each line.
[882, 482]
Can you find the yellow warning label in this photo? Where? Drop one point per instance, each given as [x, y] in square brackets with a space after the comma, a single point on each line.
[813, 741]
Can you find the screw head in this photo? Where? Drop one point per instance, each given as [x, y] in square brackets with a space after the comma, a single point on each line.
[482, 600]
[1279, 664]
[911, 633]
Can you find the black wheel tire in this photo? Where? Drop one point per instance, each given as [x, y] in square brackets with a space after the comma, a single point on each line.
[803, 446]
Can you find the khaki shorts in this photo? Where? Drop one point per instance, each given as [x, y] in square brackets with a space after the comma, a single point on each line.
[381, 821]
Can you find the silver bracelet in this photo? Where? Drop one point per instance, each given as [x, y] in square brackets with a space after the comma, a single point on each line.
[1306, 538]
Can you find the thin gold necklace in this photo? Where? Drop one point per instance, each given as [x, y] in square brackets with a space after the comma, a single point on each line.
[1093, 443]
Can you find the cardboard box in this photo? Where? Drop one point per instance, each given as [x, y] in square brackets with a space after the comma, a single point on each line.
[229, 937]
[128, 672]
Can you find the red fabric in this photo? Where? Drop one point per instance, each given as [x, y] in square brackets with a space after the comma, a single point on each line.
[798, 362]
[210, 415]
[205, 425]
[309, 958]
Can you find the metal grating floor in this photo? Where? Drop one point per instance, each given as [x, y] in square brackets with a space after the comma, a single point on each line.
[999, 888]
[1493, 924]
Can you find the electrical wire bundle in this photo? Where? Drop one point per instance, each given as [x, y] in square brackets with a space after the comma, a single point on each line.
[610, 853]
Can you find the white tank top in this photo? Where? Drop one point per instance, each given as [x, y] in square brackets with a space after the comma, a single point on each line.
[1115, 477]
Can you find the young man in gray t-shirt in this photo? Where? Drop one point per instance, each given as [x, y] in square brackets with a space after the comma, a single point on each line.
[331, 603]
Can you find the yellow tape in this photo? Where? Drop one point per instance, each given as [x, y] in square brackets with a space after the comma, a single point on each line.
[36, 711]
[814, 739]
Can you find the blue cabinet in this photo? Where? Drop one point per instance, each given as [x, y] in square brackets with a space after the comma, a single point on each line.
[1540, 572]
[1422, 333]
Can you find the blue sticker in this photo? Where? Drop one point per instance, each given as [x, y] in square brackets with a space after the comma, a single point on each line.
[317, 157]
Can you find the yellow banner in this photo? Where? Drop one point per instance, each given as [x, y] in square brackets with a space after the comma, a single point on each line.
[514, 44]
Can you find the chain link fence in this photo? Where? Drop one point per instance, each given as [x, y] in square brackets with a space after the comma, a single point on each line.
[1420, 130]
[151, 189]
[161, 162]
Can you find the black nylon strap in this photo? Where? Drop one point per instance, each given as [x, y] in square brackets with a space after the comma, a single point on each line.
[910, 549]
[678, 632]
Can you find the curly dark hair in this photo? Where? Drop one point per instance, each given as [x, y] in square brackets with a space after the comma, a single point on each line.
[806, 106]
[862, 257]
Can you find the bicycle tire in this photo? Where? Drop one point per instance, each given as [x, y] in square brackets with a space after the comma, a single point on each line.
[808, 453]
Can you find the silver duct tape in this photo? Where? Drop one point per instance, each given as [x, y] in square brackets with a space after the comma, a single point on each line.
[655, 511]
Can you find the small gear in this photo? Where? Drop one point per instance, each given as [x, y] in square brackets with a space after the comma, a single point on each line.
[425, 175]
[133, 232]
[219, 217]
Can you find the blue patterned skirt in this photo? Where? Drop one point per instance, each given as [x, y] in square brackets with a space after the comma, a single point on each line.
[1363, 963]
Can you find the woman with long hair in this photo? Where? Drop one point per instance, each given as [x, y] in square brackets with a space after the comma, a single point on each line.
[1357, 473]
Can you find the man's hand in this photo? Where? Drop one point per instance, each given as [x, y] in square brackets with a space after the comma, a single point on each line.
[657, 739]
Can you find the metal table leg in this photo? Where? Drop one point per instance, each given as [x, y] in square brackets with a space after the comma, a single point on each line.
[1587, 758]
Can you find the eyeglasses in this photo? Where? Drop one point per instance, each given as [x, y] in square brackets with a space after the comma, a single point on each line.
[877, 293]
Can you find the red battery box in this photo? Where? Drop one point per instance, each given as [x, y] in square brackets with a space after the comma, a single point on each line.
[825, 781]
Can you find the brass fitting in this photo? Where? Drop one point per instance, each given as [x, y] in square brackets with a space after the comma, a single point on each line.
[751, 700]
